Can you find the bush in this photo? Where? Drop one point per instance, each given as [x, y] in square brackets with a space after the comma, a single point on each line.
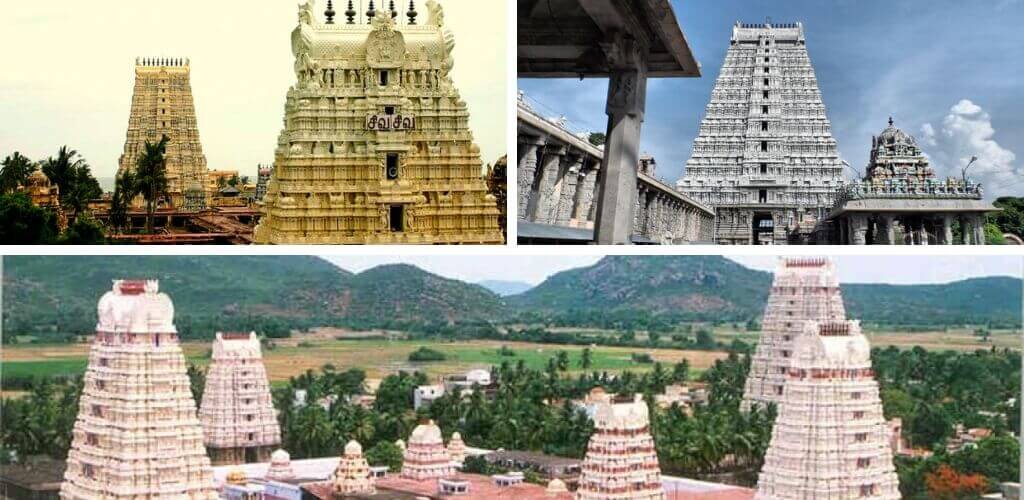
[426, 354]
[385, 453]
[642, 357]
[505, 351]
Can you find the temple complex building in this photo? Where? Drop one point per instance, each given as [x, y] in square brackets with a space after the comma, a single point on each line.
[353, 473]
[237, 413]
[764, 158]
[137, 434]
[900, 201]
[559, 176]
[376, 146]
[621, 462]
[425, 455]
[803, 289]
[162, 105]
[830, 440]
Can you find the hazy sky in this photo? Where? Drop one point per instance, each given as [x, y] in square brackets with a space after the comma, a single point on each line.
[852, 269]
[947, 71]
[69, 69]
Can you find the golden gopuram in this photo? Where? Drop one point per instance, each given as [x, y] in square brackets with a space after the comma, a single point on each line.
[162, 105]
[376, 146]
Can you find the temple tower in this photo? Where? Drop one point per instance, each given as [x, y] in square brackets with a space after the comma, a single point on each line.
[137, 434]
[376, 146]
[764, 157]
[353, 473]
[830, 440]
[803, 289]
[621, 462]
[425, 456]
[237, 413]
[162, 105]
[457, 449]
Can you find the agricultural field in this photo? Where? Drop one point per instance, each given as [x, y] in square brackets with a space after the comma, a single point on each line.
[377, 357]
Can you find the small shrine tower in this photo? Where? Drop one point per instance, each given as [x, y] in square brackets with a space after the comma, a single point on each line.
[621, 463]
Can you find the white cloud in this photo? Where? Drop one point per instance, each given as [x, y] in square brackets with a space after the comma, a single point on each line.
[965, 132]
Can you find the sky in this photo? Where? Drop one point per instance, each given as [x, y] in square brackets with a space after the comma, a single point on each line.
[69, 69]
[535, 269]
[947, 71]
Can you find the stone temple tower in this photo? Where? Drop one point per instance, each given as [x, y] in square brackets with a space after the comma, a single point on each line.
[237, 413]
[621, 462]
[376, 146]
[830, 440]
[803, 289]
[765, 157]
[137, 434]
[162, 105]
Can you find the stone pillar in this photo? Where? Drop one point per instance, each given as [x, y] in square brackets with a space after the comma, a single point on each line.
[979, 229]
[965, 231]
[886, 234]
[587, 193]
[627, 93]
[858, 229]
[544, 205]
[526, 172]
[947, 230]
[567, 198]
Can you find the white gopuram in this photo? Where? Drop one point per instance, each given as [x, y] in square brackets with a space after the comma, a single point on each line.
[426, 456]
[353, 473]
[621, 463]
[237, 413]
[830, 440]
[137, 434]
[764, 157]
[803, 289]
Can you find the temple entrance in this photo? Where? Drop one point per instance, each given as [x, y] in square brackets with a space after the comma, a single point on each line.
[397, 218]
[251, 455]
[763, 230]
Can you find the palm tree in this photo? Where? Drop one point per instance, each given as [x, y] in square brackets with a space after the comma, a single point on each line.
[71, 174]
[15, 173]
[125, 190]
[151, 176]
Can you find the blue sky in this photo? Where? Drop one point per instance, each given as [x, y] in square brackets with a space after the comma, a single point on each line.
[948, 71]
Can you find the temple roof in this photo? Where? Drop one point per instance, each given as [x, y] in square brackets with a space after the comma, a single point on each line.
[892, 135]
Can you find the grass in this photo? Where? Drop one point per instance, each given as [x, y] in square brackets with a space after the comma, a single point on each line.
[377, 357]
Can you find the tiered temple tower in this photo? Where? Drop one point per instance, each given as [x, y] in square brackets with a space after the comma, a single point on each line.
[425, 455]
[137, 434]
[621, 462]
[457, 449]
[765, 157]
[238, 416]
[353, 473]
[803, 289]
[376, 146]
[162, 105]
[830, 440]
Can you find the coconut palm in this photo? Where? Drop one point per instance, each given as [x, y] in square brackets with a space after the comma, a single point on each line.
[15, 173]
[71, 173]
[151, 176]
[125, 190]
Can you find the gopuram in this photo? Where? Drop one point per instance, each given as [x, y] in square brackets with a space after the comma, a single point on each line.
[352, 475]
[376, 146]
[621, 463]
[803, 289]
[425, 456]
[237, 413]
[162, 105]
[901, 202]
[764, 158]
[830, 440]
[137, 434]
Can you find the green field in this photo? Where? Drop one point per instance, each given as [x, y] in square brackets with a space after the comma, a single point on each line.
[377, 357]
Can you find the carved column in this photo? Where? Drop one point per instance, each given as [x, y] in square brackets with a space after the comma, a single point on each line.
[586, 196]
[627, 92]
[526, 172]
[638, 211]
[979, 229]
[545, 202]
[567, 198]
[884, 234]
[859, 229]
[965, 231]
[947, 229]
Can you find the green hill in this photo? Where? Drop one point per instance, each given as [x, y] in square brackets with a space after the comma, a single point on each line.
[713, 288]
[55, 296]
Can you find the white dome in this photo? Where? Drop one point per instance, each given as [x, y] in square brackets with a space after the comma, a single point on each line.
[353, 448]
[135, 307]
[280, 456]
[426, 434]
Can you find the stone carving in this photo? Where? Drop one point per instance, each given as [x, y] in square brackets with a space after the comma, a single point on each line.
[385, 47]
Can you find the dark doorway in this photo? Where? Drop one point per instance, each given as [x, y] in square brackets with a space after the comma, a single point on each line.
[397, 218]
[251, 456]
[763, 228]
[383, 78]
